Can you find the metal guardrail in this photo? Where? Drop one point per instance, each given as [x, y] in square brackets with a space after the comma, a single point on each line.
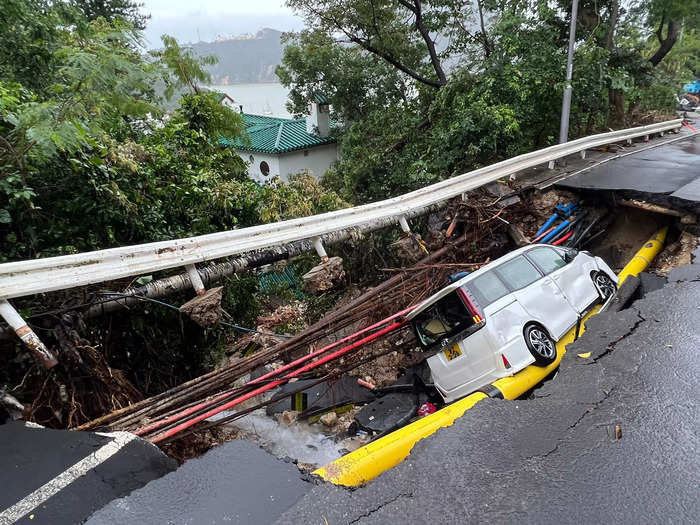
[23, 278]
[56, 273]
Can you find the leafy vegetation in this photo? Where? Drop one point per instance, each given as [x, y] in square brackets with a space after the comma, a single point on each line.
[88, 157]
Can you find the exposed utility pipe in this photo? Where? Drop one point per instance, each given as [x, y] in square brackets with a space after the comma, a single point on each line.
[686, 218]
[27, 335]
[215, 272]
[268, 375]
[273, 384]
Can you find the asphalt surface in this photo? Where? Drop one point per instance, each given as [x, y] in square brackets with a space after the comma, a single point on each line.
[670, 172]
[36, 458]
[236, 482]
[613, 438]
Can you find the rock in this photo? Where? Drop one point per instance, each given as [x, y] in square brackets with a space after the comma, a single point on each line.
[205, 310]
[518, 237]
[408, 248]
[289, 416]
[329, 419]
[325, 276]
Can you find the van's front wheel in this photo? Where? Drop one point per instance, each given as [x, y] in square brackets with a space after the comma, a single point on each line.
[605, 285]
[541, 345]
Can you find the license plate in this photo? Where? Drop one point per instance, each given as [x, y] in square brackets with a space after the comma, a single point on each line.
[453, 353]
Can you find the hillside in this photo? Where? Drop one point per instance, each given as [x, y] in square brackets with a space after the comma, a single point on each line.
[244, 60]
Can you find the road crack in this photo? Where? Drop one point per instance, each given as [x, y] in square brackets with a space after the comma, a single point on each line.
[606, 395]
[611, 346]
[381, 505]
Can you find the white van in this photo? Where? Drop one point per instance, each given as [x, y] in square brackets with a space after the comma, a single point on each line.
[507, 315]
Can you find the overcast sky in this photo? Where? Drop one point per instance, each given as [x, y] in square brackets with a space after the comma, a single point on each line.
[190, 21]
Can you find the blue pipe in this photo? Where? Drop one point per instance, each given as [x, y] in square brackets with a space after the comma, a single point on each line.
[547, 224]
[554, 232]
[563, 211]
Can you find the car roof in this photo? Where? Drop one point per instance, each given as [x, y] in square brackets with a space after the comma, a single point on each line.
[473, 275]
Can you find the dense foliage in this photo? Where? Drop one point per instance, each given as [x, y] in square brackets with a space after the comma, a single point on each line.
[426, 89]
[88, 157]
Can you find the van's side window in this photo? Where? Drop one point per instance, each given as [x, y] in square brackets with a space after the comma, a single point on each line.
[518, 273]
[547, 259]
[487, 288]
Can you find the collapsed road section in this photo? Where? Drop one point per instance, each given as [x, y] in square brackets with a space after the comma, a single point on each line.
[349, 400]
[612, 439]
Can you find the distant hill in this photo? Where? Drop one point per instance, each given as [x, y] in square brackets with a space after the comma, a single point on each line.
[244, 59]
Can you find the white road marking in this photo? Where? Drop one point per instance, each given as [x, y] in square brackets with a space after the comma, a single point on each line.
[65, 478]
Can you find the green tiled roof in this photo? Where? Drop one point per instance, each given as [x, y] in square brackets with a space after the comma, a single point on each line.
[276, 135]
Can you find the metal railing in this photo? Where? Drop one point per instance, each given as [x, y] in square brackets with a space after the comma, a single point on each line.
[23, 278]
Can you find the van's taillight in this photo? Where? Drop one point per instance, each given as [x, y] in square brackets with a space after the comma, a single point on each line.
[505, 361]
[476, 316]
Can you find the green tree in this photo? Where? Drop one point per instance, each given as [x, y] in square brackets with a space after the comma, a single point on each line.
[111, 10]
[30, 35]
[183, 69]
[354, 81]
[404, 33]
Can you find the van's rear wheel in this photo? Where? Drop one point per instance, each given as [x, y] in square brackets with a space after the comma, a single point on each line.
[605, 285]
[541, 346]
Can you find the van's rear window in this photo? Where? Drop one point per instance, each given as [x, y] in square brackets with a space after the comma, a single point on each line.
[442, 320]
[487, 288]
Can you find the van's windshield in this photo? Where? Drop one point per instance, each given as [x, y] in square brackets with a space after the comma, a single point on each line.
[442, 320]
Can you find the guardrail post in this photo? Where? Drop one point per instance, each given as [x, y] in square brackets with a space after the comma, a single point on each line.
[629, 141]
[195, 279]
[551, 165]
[27, 335]
[582, 153]
[404, 225]
[320, 250]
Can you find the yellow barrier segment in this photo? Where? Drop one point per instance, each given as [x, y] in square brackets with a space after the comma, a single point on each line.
[644, 256]
[366, 463]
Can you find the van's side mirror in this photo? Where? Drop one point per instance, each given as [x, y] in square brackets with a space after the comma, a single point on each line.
[570, 255]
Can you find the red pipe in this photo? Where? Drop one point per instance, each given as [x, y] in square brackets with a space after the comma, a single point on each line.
[543, 234]
[559, 241]
[272, 384]
[199, 406]
[690, 127]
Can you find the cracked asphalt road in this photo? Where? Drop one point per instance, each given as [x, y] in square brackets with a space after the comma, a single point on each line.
[612, 438]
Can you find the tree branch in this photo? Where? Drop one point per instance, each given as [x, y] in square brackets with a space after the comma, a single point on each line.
[486, 42]
[612, 24]
[417, 10]
[367, 46]
[393, 61]
[666, 44]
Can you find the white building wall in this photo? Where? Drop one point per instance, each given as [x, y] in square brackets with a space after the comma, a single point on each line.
[255, 159]
[317, 160]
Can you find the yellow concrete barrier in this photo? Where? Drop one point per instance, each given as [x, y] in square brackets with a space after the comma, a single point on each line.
[366, 463]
